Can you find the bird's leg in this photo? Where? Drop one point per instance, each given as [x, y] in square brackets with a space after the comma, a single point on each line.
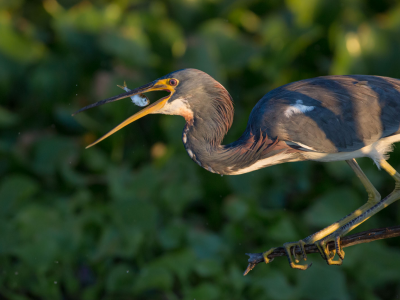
[360, 218]
[373, 198]
[318, 237]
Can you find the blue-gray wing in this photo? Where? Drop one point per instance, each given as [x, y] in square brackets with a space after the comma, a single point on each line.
[332, 113]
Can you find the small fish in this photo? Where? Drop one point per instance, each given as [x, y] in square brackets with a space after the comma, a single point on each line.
[139, 100]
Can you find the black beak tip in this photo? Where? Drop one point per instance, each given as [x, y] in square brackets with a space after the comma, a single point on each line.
[115, 98]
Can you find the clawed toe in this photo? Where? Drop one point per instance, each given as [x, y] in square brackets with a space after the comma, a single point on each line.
[295, 258]
[295, 252]
[338, 248]
[328, 254]
[265, 255]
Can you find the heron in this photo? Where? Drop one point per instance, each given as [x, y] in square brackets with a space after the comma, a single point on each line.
[324, 119]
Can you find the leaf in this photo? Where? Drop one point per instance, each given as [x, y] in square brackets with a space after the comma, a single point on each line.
[235, 208]
[322, 280]
[181, 263]
[283, 231]
[206, 244]
[7, 118]
[207, 291]
[332, 206]
[120, 279]
[209, 268]
[274, 284]
[153, 277]
[171, 235]
[50, 154]
[14, 189]
[40, 236]
[14, 45]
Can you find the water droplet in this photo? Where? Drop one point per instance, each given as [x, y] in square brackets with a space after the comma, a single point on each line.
[55, 282]
[16, 273]
[127, 271]
[222, 175]
[19, 132]
[77, 94]
[56, 261]
[76, 85]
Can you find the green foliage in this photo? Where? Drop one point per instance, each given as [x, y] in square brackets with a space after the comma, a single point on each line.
[134, 217]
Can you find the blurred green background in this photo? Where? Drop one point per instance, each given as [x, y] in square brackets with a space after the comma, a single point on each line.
[134, 217]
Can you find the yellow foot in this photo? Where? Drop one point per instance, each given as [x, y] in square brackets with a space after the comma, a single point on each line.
[328, 254]
[293, 257]
[265, 255]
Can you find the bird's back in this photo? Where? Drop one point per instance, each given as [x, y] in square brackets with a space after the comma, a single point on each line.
[331, 114]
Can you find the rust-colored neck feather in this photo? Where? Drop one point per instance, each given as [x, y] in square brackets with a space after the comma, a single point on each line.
[212, 118]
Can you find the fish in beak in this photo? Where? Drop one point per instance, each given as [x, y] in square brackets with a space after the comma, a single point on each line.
[140, 100]
[157, 85]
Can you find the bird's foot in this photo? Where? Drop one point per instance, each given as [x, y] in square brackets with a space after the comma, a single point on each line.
[328, 254]
[266, 253]
[293, 257]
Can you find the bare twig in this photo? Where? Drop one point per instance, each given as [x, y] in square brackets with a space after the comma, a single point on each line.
[351, 240]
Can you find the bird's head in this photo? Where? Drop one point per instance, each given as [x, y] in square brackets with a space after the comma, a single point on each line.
[192, 94]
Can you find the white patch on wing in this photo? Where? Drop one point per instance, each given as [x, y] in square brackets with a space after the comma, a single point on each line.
[297, 108]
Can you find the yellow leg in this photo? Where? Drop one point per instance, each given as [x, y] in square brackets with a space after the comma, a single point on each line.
[338, 229]
[365, 215]
[373, 198]
[318, 237]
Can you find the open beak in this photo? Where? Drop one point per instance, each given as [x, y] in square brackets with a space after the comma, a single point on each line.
[157, 85]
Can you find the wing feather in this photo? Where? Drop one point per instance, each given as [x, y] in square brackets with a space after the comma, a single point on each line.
[331, 113]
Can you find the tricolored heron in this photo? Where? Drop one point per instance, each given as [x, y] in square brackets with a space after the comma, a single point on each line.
[328, 118]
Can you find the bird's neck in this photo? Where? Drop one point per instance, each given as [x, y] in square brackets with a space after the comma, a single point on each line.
[206, 128]
[204, 133]
[252, 151]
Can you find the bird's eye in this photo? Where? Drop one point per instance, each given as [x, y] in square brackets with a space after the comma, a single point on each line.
[173, 82]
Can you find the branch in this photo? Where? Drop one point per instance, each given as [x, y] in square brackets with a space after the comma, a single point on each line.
[351, 240]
